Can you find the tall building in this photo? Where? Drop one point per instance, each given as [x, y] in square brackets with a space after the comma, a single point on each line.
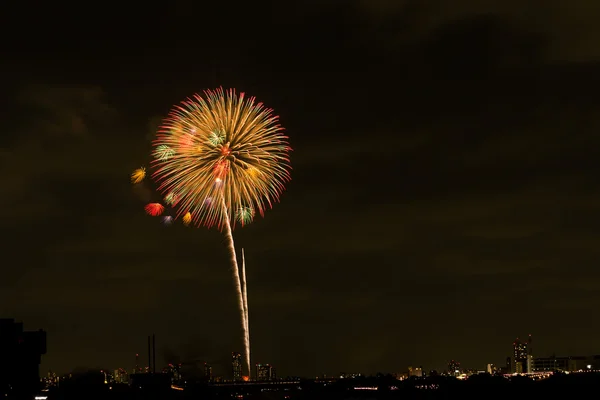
[415, 371]
[20, 357]
[265, 372]
[454, 368]
[529, 355]
[520, 357]
[208, 372]
[137, 369]
[236, 365]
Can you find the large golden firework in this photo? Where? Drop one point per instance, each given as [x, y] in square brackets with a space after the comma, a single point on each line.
[223, 156]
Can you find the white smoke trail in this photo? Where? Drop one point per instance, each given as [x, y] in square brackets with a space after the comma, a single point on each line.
[245, 294]
[238, 285]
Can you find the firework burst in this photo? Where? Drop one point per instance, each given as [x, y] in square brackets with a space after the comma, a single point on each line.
[221, 146]
[163, 152]
[245, 215]
[187, 219]
[138, 175]
[154, 209]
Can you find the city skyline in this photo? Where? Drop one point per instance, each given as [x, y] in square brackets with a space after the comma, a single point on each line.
[23, 350]
[444, 195]
[520, 359]
[266, 372]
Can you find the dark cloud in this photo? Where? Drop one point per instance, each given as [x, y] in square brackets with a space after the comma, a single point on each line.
[66, 112]
[571, 33]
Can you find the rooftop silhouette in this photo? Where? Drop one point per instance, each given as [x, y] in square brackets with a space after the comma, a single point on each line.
[20, 357]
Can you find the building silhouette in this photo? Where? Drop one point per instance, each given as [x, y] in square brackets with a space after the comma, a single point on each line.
[265, 372]
[529, 355]
[415, 371]
[521, 356]
[20, 357]
[236, 365]
[121, 376]
[454, 368]
[208, 372]
[509, 366]
[566, 363]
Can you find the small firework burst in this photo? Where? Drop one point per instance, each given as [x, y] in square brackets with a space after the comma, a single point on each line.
[154, 209]
[187, 219]
[245, 215]
[163, 152]
[138, 175]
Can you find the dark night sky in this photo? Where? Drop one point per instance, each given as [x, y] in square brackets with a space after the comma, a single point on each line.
[445, 195]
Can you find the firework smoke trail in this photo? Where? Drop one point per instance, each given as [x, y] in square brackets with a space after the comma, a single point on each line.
[238, 285]
[245, 293]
